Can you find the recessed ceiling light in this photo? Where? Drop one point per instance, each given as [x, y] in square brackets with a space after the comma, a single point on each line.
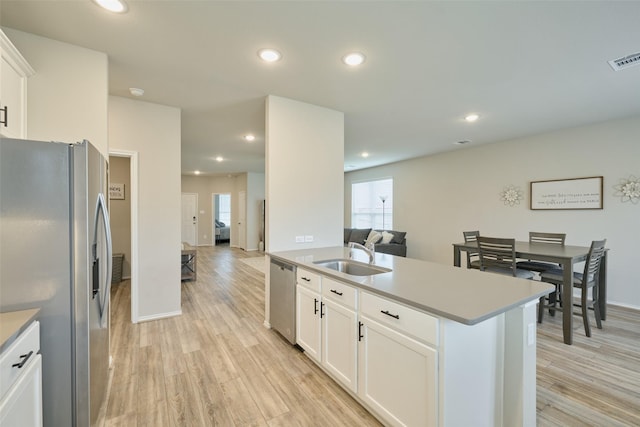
[472, 117]
[365, 154]
[269, 55]
[219, 159]
[353, 59]
[117, 6]
[249, 137]
[135, 91]
[196, 172]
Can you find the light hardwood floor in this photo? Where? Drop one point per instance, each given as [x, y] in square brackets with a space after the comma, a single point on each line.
[216, 365]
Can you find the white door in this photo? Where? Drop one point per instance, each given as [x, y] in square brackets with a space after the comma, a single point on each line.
[339, 341]
[390, 362]
[308, 306]
[242, 223]
[189, 218]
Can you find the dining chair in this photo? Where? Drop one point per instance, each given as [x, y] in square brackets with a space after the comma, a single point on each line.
[536, 237]
[473, 258]
[583, 281]
[498, 255]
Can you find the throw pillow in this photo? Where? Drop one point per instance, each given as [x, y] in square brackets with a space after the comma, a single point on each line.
[386, 237]
[398, 236]
[359, 235]
[374, 237]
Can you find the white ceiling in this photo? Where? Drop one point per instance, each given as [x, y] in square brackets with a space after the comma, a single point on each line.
[525, 67]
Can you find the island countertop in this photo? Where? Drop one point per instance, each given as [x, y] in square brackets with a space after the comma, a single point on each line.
[464, 295]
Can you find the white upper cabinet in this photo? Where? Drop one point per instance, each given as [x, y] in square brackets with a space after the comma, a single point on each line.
[14, 71]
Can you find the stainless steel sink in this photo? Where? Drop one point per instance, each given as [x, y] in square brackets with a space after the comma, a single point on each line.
[354, 268]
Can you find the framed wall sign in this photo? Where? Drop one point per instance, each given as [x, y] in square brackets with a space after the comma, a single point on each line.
[575, 193]
[116, 191]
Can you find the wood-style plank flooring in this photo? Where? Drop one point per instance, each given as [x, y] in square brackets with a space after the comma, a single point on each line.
[216, 365]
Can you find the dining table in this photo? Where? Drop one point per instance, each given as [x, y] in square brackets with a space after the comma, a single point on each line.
[566, 257]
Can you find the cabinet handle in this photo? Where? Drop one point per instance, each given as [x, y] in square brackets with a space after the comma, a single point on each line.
[321, 309]
[315, 306]
[24, 358]
[360, 336]
[305, 279]
[6, 115]
[395, 316]
[336, 292]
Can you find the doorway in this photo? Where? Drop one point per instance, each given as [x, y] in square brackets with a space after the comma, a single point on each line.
[189, 227]
[221, 208]
[129, 244]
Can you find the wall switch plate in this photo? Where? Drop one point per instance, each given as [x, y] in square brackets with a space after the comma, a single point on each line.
[308, 238]
[299, 239]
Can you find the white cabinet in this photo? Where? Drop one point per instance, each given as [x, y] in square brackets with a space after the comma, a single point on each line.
[308, 326]
[340, 332]
[326, 325]
[398, 362]
[397, 376]
[21, 381]
[14, 71]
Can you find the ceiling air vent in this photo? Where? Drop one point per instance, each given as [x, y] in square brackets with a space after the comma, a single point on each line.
[626, 62]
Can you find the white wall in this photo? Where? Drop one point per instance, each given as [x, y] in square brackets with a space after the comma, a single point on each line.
[67, 96]
[304, 174]
[153, 131]
[437, 197]
[255, 196]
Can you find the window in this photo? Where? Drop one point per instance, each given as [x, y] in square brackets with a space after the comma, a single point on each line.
[372, 204]
[224, 208]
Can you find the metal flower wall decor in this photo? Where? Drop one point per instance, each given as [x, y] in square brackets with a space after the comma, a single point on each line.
[629, 189]
[511, 195]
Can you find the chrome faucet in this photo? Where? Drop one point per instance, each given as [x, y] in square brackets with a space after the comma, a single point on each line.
[370, 250]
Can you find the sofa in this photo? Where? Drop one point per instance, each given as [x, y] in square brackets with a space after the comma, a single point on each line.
[397, 245]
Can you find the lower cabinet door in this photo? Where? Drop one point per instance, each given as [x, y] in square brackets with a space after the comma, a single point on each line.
[397, 376]
[308, 333]
[22, 405]
[339, 343]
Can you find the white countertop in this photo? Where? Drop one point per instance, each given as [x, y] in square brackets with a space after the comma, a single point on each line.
[465, 295]
[12, 323]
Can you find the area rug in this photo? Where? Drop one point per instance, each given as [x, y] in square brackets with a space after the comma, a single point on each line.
[259, 263]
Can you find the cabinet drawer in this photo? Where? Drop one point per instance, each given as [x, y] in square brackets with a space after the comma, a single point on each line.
[339, 292]
[28, 343]
[308, 279]
[400, 317]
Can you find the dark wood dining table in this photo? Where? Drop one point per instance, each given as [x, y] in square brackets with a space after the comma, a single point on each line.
[565, 256]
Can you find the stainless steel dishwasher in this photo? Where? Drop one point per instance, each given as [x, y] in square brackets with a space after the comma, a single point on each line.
[282, 302]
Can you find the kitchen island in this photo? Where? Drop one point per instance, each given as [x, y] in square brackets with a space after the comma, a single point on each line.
[423, 344]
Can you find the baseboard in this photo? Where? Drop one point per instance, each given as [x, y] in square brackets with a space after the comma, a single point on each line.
[621, 304]
[159, 316]
[266, 324]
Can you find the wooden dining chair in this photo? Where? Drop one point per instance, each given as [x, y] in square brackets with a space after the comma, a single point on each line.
[584, 281]
[536, 237]
[473, 258]
[498, 255]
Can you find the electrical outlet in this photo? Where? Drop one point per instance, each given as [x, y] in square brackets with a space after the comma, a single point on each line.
[531, 334]
[299, 239]
[205, 236]
[308, 239]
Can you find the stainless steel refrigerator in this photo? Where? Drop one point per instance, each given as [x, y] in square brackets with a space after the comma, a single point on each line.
[55, 254]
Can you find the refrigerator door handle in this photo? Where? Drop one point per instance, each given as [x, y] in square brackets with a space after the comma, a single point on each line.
[103, 302]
